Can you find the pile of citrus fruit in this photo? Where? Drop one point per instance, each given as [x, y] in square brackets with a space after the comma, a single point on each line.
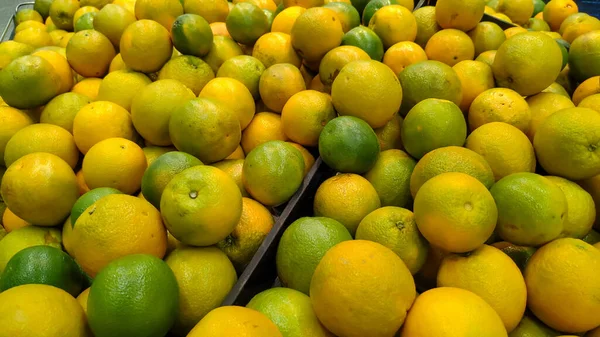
[145, 146]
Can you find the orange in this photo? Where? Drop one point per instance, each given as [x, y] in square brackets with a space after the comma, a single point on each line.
[333, 62]
[591, 102]
[512, 31]
[273, 48]
[284, 21]
[543, 105]
[233, 168]
[486, 36]
[131, 226]
[223, 49]
[389, 135]
[112, 21]
[581, 210]
[89, 53]
[61, 110]
[161, 11]
[586, 88]
[27, 14]
[309, 159]
[34, 37]
[504, 147]
[223, 88]
[426, 24]
[500, 105]
[10, 50]
[192, 35]
[145, 46]
[84, 10]
[316, 21]
[117, 64]
[235, 321]
[189, 70]
[517, 11]
[61, 66]
[88, 87]
[584, 25]
[368, 90]
[583, 56]
[393, 24]
[121, 86]
[220, 29]
[375, 271]
[115, 162]
[211, 10]
[278, 83]
[264, 127]
[247, 22]
[83, 187]
[403, 54]
[348, 15]
[459, 223]
[450, 46]
[556, 11]
[245, 69]
[302, 3]
[237, 154]
[476, 77]
[457, 14]
[62, 13]
[304, 116]
[11, 222]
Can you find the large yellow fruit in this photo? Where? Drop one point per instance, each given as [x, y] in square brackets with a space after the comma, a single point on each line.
[452, 312]
[235, 321]
[362, 267]
[499, 105]
[146, 46]
[89, 53]
[112, 21]
[278, 83]
[581, 212]
[223, 89]
[543, 105]
[39, 310]
[28, 82]
[121, 86]
[459, 14]
[115, 226]
[476, 77]
[562, 285]
[304, 116]
[11, 121]
[40, 188]
[556, 11]
[161, 11]
[316, 21]
[393, 24]
[491, 274]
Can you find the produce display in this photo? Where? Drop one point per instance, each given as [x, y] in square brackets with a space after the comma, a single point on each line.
[445, 156]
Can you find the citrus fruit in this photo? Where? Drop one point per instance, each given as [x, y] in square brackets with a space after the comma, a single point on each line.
[581, 210]
[543, 105]
[27, 14]
[347, 198]
[163, 12]
[42, 138]
[571, 20]
[350, 267]
[556, 11]
[302, 247]
[273, 48]
[246, 23]
[219, 28]
[305, 115]
[309, 159]
[61, 110]
[61, 66]
[112, 21]
[115, 162]
[403, 54]
[264, 127]
[451, 159]
[152, 107]
[211, 10]
[24, 237]
[537, 25]
[374, 6]
[222, 89]
[83, 187]
[192, 71]
[205, 128]
[450, 320]
[131, 226]
[204, 277]
[527, 223]
[201, 205]
[40, 188]
[284, 21]
[62, 12]
[431, 124]
[462, 15]
[429, 79]
[517, 11]
[500, 105]
[121, 86]
[517, 67]
[391, 178]
[10, 50]
[86, 21]
[43, 265]
[583, 56]
[316, 21]
[42, 7]
[487, 57]
[426, 24]
[588, 87]
[255, 224]
[486, 36]
[348, 144]
[450, 46]
[389, 134]
[101, 120]
[272, 172]
[84, 10]
[333, 62]
[281, 303]
[278, 83]
[89, 53]
[145, 46]
[348, 15]
[88, 87]
[531, 326]
[351, 96]
[161, 171]
[365, 39]
[519, 254]
[95, 3]
[139, 289]
[153, 152]
[492, 275]
[28, 82]
[192, 35]
[564, 301]
[34, 37]
[393, 24]
[87, 199]
[245, 69]
[566, 143]
[476, 77]
[395, 228]
[35, 310]
[11, 222]
[11, 121]
[235, 321]
[468, 217]
[591, 102]
[581, 26]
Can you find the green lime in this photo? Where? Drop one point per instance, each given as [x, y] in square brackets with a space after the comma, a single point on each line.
[134, 296]
[25, 237]
[43, 265]
[431, 124]
[86, 21]
[88, 199]
[348, 15]
[391, 178]
[161, 171]
[348, 144]
[365, 39]
[191, 35]
[302, 246]
[246, 22]
[279, 304]
[372, 7]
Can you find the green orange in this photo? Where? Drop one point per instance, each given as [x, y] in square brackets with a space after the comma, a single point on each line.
[246, 22]
[365, 39]
[391, 178]
[88, 199]
[192, 35]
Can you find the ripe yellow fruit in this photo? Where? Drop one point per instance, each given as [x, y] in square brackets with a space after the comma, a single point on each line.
[284, 21]
[475, 77]
[89, 53]
[556, 11]
[146, 46]
[588, 87]
[211, 10]
[450, 46]
[278, 83]
[235, 321]
[403, 54]
[61, 66]
[273, 48]
[223, 89]
[458, 14]
[11, 121]
[316, 21]
[161, 11]
[264, 127]
[393, 24]
[112, 21]
[500, 105]
[581, 209]
[304, 116]
[517, 11]
[115, 162]
[88, 87]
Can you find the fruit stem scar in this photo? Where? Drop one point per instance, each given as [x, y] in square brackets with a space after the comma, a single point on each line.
[468, 206]
[193, 194]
